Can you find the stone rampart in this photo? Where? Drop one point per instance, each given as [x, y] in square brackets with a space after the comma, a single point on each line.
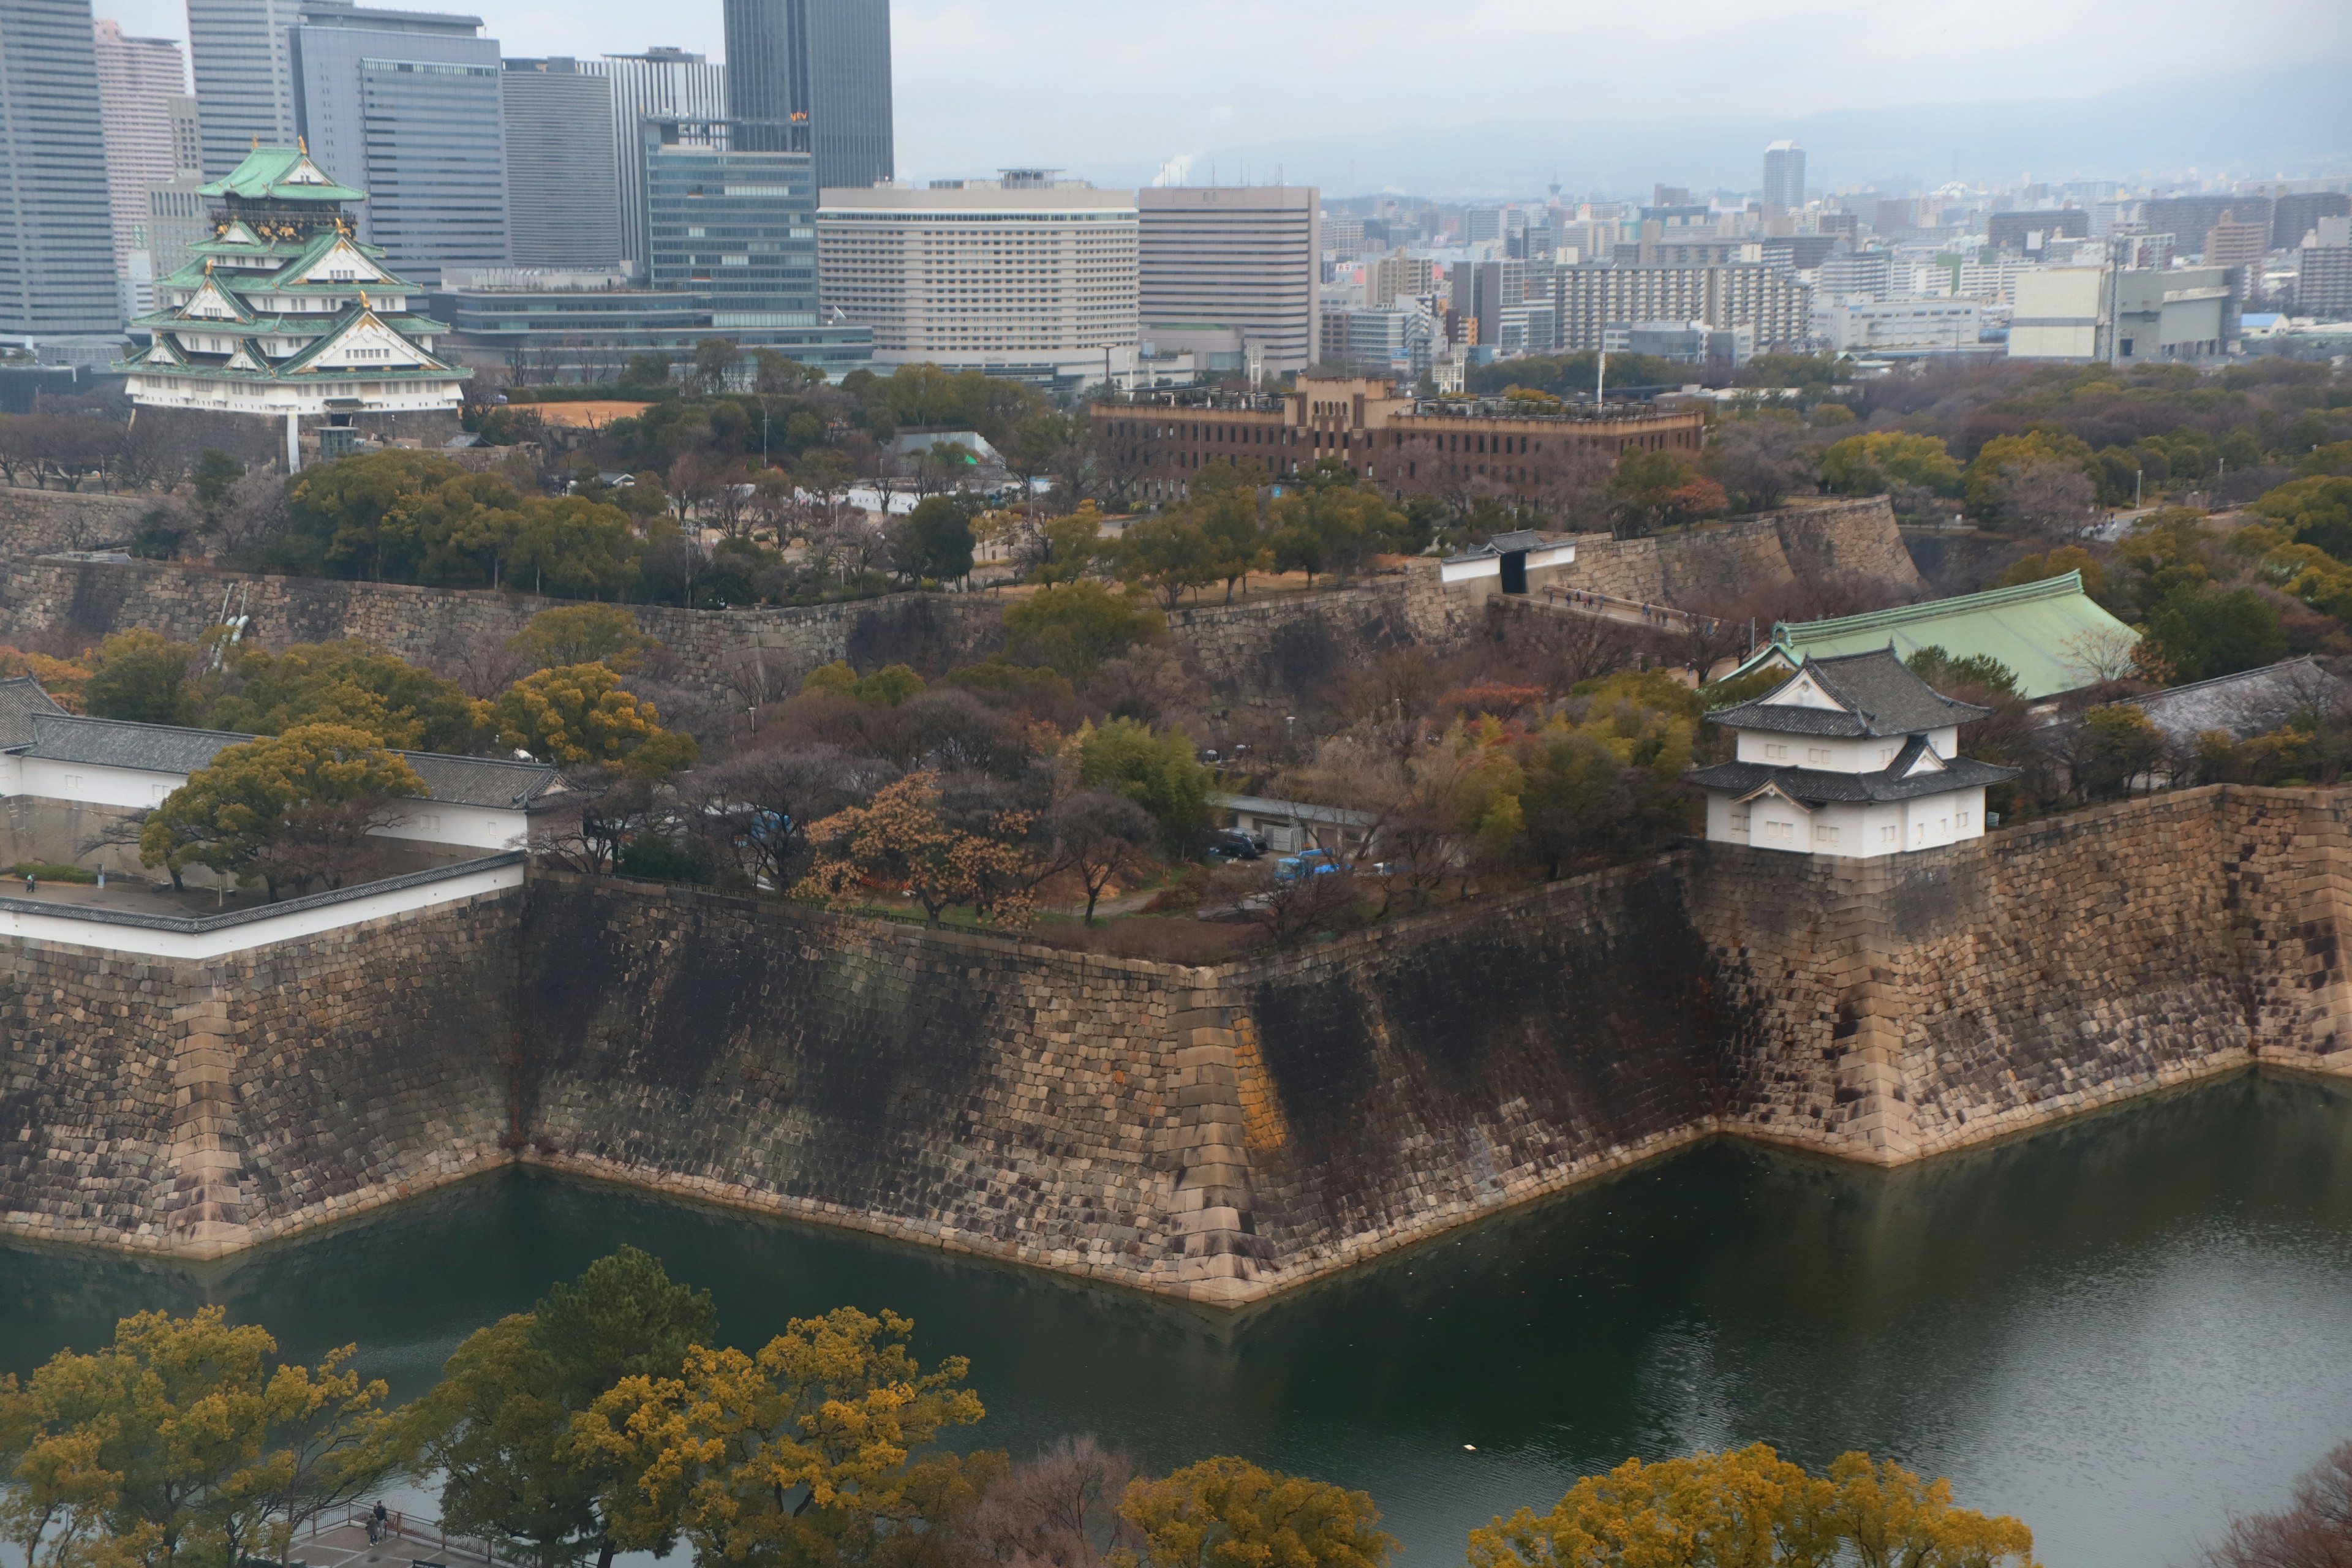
[1218, 1133]
[198, 1107]
[37, 523]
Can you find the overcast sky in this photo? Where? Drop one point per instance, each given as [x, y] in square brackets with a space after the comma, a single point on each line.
[1092, 84]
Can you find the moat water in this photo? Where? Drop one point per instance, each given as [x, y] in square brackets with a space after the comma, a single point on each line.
[2119, 1330]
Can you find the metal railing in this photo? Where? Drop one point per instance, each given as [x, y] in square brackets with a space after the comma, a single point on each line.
[422, 1531]
[1585, 601]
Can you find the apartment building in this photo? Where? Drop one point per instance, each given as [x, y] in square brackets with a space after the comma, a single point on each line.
[1589, 299]
[1028, 275]
[1240, 260]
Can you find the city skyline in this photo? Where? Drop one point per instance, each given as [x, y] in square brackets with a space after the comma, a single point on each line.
[952, 58]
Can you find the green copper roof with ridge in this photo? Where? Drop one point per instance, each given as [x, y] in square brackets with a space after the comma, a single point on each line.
[269, 174]
[2039, 630]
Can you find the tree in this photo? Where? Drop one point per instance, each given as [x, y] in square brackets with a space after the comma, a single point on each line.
[360, 513]
[1066, 549]
[184, 1439]
[2212, 631]
[578, 713]
[1749, 1508]
[1077, 627]
[715, 361]
[575, 546]
[2316, 511]
[1160, 770]
[758, 804]
[1169, 555]
[2114, 745]
[2314, 1530]
[1659, 489]
[1100, 836]
[1232, 536]
[584, 634]
[933, 542]
[780, 375]
[146, 678]
[350, 682]
[1059, 1510]
[900, 841]
[2045, 498]
[820, 1448]
[498, 1424]
[2057, 562]
[1230, 1513]
[1997, 457]
[216, 473]
[1883, 460]
[295, 808]
[1329, 522]
[1761, 459]
[887, 686]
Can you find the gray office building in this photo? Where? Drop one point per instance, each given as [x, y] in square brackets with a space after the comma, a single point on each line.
[734, 223]
[822, 63]
[244, 77]
[660, 84]
[563, 183]
[407, 106]
[56, 234]
[1784, 176]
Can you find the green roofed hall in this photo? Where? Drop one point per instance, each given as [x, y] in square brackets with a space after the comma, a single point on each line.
[281, 175]
[2052, 635]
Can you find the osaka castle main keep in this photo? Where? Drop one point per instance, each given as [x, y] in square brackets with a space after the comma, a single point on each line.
[282, 313]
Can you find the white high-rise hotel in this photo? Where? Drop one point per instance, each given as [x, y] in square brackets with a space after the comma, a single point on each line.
[1029, 275]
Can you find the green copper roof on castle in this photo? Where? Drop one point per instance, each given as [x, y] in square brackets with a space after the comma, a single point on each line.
[2052, 635]
[281, 175]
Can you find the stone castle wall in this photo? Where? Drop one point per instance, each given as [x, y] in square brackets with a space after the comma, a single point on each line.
[37, 523]
[196, 1108]
[1255, 651]
[1218, 1133]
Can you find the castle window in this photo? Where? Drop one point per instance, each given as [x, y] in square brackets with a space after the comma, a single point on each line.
[1817, 753]
[1825, 835]
[1775, 752]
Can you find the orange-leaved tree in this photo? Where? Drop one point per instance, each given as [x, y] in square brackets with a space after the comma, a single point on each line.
[1230, 1513]
[902, 841]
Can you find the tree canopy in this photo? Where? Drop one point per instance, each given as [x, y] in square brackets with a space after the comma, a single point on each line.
[290, 810]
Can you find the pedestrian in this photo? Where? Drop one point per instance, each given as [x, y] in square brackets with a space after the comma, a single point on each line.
[32, 884]
[377, 1521]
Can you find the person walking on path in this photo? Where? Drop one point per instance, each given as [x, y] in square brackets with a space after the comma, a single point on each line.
[376, 1523]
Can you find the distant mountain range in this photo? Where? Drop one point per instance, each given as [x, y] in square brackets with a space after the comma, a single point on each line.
[2295, 118]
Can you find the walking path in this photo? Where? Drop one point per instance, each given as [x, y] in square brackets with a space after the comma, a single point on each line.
[412, 1539]
[1609, 607]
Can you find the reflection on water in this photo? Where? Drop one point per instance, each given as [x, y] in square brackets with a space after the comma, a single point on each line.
[2118, 1329]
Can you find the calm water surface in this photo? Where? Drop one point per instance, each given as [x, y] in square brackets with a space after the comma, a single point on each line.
[2119, 1330]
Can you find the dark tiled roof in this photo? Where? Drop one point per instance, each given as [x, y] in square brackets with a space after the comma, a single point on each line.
[1816, 787]
[2252, 702]
[62, 737]
[1878, 696]
[490, 782]
[19, 699]
[117, 743]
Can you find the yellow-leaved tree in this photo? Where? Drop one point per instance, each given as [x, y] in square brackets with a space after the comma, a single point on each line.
[291, 810]
[578, 713]
[187, 1440]
[1229, 1514]
[1749, 1508]
[817, 1449]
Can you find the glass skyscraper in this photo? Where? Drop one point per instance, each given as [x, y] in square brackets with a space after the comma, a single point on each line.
[408, 107]
[56, 235]
[825, 64]
[730, 212]
[668, 84]
[245, 79]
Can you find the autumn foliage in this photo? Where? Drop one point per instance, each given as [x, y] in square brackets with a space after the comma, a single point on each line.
[901, 843]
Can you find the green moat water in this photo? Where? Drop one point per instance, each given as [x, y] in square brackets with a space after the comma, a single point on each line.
[2119, 1329]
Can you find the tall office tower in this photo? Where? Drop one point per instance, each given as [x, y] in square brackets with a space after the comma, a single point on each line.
[1784, 176]
[244, 78]
[406, 106]
[187, 135]
[139, 80]
[1246, 259]
[823, 62]
[56, 241]
[563, 188]
[660, 84]
[736, 224]
[1028, 276]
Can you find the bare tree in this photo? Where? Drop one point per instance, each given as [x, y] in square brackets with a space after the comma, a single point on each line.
[2047, 499]
[1762, 459]
[1290, 908]
[2102, 655]
[1059, 1510]
[252, 513]
[1099, 838]
[756, 808]
[2314, 1530]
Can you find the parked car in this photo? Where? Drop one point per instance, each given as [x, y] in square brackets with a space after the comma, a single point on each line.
[1310, 863]
[1234, 844]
